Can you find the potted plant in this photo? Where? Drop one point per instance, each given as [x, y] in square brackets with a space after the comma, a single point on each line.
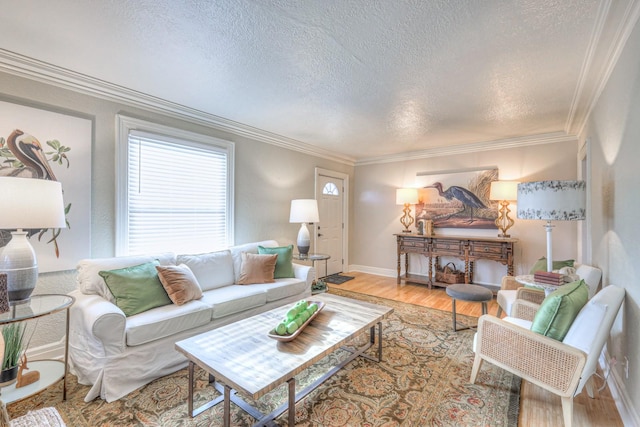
[12, 335]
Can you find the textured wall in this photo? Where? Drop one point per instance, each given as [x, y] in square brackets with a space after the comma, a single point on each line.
[614, 131]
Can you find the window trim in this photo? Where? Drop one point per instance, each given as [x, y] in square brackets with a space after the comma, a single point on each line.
[124, 125]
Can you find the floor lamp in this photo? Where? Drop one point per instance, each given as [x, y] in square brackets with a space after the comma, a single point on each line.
[27, 204]
[552, 201]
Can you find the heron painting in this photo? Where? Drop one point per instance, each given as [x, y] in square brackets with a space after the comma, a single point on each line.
[37, 143]
[457, 200]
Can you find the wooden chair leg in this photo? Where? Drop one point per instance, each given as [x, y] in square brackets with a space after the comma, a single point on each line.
[589, 387]
[567, 411]
[477, 363]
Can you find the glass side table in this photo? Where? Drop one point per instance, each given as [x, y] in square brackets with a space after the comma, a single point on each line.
[318, 285]
[51, 371]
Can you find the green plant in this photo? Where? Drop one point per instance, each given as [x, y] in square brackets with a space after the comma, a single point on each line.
[13, 335]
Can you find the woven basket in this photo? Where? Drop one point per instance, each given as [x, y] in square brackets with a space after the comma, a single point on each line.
[449, 274]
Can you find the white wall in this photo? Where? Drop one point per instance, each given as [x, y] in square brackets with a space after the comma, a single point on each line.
[614, 135]
[266, 179]
[376, 216]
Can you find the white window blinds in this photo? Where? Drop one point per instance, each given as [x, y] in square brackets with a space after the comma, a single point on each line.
[177, 195]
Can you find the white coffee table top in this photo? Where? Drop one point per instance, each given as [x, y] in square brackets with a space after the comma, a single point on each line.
[242, 356]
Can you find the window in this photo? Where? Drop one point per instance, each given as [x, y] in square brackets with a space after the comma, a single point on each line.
[330, 189]
[174, 190]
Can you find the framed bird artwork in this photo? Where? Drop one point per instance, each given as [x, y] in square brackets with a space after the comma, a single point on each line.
[42, 143]
[457, 199]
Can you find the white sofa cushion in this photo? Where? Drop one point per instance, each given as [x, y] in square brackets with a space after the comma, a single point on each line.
[212, 270]
[165, 321]
[233, 299]
[282, 288]
[252, 248]
[90, 283]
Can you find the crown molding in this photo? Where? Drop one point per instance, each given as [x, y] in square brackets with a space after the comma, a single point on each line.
[23, 66]
[577, 120]
[501, 144]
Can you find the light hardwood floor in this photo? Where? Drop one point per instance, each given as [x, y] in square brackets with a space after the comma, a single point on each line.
[537, 406]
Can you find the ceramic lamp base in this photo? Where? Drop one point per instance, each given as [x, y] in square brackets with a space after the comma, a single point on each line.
[18, 262]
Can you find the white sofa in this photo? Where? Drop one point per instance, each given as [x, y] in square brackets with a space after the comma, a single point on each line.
[118, 354]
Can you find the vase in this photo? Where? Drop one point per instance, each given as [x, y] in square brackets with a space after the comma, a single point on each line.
[8, 376]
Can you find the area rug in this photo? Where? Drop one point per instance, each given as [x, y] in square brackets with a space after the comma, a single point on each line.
[423, 380]
[337, 278]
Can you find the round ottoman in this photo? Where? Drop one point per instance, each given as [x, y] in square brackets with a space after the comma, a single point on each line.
[471, 293]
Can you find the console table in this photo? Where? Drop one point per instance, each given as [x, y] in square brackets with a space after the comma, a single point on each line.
[467, 248]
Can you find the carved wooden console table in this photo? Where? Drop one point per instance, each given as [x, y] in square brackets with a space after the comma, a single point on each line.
[466, 248]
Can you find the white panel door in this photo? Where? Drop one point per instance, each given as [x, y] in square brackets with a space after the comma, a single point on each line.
[330, 229]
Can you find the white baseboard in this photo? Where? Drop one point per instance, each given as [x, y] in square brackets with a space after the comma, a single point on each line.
[619, 393]
[386, 272]
[54, 351]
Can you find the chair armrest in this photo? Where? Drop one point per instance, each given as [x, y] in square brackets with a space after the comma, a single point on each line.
[524, 309]
[96, 325]
[533, 295]
[548, 363]
[510, 283]
[304, 272]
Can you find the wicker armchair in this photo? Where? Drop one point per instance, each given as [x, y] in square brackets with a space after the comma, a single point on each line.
[511, 290]
[563, 368]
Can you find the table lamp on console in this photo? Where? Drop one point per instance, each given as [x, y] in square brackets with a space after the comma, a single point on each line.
[406, 197]
[552, 201]
[27, 204]
[504, 192]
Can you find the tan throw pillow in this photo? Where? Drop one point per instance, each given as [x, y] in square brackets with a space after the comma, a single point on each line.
[257, 268]
[179, 282]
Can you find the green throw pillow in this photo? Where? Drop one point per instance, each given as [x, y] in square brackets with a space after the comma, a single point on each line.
[284, 264]
[541, 265]
[559, 309]
[137, 288]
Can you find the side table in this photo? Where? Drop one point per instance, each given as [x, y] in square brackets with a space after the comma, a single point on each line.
[51, 371]
[529, 279]
[313, 258]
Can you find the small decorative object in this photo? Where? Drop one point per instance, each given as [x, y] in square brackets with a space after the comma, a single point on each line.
[428, 227]
[4, 295]
[406, 197]
[304, 211]
[27, 204]
[504, 192]
[296, 319]
[29, 377]
[420, 226]
[552, 200]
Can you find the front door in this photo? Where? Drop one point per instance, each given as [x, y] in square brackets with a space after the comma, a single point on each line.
[330, 194]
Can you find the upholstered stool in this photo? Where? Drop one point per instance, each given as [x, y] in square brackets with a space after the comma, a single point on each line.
[472, 293]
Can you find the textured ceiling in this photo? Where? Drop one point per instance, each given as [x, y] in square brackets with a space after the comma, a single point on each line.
[362, 78]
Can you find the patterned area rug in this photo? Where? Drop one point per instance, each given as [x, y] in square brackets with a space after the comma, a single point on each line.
[422, 381]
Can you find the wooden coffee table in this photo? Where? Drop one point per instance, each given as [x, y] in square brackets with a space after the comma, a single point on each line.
[244, 359]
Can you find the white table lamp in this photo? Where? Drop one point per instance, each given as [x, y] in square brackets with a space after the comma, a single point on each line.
[406, 197]
[27, 204]
[504, 192]
[304, 211]
[552, 201]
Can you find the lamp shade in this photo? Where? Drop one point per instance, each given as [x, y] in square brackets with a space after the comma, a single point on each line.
[504, 190]
[406, 196]
[552, 200]
[304, 210]
[31, 203]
